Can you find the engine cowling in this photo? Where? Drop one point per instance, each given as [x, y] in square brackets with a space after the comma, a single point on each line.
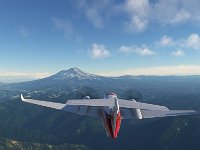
[84, 109]
[137, 112]
[86, 97]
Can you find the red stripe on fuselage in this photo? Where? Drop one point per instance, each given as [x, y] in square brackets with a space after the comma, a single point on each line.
[118, 124]
[108, 124]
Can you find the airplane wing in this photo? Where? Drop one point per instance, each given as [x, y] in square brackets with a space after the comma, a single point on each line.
[77, 109]
[138, 105]
[111, 103]
[93, 108]
[130, 114]
[43, 103]
[153, 114]
[92, 102]
[96, 103]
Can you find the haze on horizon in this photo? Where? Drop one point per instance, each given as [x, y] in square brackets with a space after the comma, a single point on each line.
[113, 38]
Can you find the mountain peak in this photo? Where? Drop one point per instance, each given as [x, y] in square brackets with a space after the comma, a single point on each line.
[75, 70]
[72, 73]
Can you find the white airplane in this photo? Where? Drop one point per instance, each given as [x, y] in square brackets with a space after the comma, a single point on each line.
[112, 110]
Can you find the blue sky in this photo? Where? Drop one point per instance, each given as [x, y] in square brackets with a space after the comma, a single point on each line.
[41, 37]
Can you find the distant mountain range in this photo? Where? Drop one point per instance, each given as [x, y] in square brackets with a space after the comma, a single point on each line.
[69, 81]
[66, 84]
[76, 75]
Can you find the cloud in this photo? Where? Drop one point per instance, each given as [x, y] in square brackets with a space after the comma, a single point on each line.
[23, 31]
[96, 11]
[138, 7]
[138, 13]
[98, 51]
[181, 17]
[176, 11]
[160, 71]
[94, 16]
[178, 53]
[63, 25]
[136, 24]
[100, 12]
[13, 75]
[192, 42]
[143, 51]
[166, 41]
[67, 27]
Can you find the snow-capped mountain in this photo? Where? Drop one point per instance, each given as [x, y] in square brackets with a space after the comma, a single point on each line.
[75, 73]
[68, 81]
[74, 78]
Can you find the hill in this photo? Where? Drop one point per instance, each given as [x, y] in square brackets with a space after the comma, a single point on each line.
[17, 145]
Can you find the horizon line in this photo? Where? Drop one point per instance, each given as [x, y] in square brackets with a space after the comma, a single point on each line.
[180, 70]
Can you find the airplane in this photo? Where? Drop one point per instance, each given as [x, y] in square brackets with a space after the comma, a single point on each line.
[112, 110]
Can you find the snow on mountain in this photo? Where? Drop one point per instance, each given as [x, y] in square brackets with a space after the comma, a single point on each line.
[73, 73]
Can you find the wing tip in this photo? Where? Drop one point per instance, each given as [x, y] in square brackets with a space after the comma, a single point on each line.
[166, 108]
[22, 98]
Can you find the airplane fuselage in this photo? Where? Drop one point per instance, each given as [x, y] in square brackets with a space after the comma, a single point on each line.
[111, 117]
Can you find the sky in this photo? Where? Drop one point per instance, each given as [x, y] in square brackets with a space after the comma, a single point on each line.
[107, 37]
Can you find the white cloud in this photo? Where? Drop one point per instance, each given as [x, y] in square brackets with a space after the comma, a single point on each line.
[97, 12]
[138, 15]
[166, 41]
[67, 27]
[176, 11]
[138, 12]
[192, 42]
[99, 51]
[143, 51]
[136, 24]
[94, 16]
[63, 25]
[178, 53]
[126, 49]
[138, 7]
[100, 12]
[160, 71]
[23, 31]
[181, 17]
[13, 75]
